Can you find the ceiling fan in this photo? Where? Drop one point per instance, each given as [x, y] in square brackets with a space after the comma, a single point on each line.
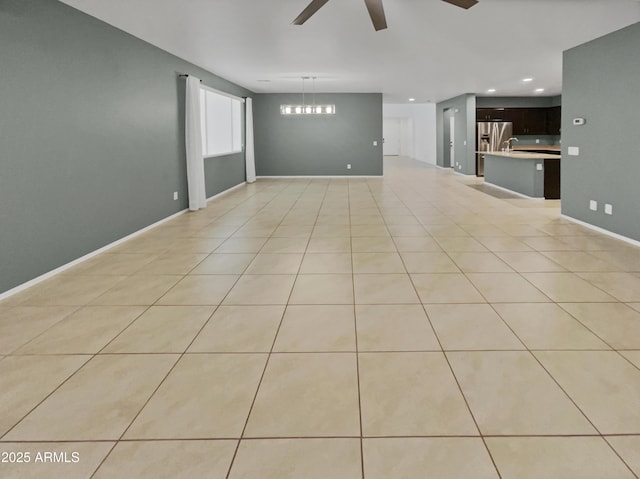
[376, 11]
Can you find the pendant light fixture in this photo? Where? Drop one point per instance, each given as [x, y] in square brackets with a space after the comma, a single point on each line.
[305, 109]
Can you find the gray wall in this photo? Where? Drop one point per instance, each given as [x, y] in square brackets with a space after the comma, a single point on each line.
[600, 83]
[515, 174]
[319, 145]
[91, 136]
[465, 125]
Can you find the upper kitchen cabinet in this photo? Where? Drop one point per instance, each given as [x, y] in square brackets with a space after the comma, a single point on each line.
[526, 121]
[490, 114]
[530, 121]
[554, 120]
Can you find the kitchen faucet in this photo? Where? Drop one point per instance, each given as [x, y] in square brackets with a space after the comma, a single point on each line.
[508, 142]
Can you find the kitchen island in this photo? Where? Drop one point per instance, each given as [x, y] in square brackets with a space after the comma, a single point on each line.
[536, 175]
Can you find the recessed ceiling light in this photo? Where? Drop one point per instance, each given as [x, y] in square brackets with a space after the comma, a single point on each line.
[491, 90]
[527, 80]
[539, 90]
[412, 99]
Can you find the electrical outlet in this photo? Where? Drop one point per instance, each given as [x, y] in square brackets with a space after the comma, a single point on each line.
[465, 142]
[175, 195]
[348, 166]
[608, 209]
[593, 205]
[539, 166]
[375, 143]
[537, 141]
[574, 151]
[459, 166]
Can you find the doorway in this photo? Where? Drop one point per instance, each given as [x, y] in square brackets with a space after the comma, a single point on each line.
[449, 128]
[391, 129]
[452, 142]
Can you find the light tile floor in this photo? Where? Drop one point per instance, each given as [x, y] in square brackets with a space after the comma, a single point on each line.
[406, 327]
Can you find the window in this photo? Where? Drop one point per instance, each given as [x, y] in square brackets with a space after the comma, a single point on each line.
[221, 118]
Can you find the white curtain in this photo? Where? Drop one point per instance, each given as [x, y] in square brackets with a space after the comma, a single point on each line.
[193, 140]
[249, 149]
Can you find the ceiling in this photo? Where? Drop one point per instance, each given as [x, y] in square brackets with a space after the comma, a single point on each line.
[431, 51]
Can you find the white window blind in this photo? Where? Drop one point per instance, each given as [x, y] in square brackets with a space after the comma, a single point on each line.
[221, 117]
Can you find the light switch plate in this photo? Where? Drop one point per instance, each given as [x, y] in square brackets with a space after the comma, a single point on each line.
[175, 195]
[593, 205]
[348, 166]
[608, 209]
[539, 166]
[574, 151]
[375, 143]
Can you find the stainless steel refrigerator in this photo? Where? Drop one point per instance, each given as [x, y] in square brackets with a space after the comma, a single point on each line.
[492, 136]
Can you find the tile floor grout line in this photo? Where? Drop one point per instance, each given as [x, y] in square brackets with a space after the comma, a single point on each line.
[355, 326]
[273, 343]
[104, 459]
[617, 350]
[422, 200]
[540, 363]
[239, 226]
[531, 353]
[328, 351]
[92, 356]
[262, 438]
[48, 395]
[604, 438]
[74, 311]
[600, 434]
[455, 378]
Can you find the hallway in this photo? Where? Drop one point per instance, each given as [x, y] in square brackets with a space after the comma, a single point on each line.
[416, 325]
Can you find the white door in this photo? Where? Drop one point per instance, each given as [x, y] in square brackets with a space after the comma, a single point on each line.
[452, 126]
[391, 133]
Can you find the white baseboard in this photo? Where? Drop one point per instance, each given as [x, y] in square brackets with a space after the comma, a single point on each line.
[463, 174]
[522, 195]
[290, 177]
[228, 190]
[602, 230]
[88, 256]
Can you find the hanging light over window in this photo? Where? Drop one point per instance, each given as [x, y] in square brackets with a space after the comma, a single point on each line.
[307, 109]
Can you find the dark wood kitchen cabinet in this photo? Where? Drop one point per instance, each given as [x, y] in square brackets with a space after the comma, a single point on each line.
[526, 121]
[552, 179]
[530, 121]
[491, 114]
[554, 120]
[482, 114]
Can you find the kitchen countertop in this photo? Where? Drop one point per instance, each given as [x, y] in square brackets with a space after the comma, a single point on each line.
[523, 155]
[538, 147]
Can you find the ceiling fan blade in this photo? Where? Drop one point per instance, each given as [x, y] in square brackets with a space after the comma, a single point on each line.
[462, 3]
[308, 12]
[376, 12]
